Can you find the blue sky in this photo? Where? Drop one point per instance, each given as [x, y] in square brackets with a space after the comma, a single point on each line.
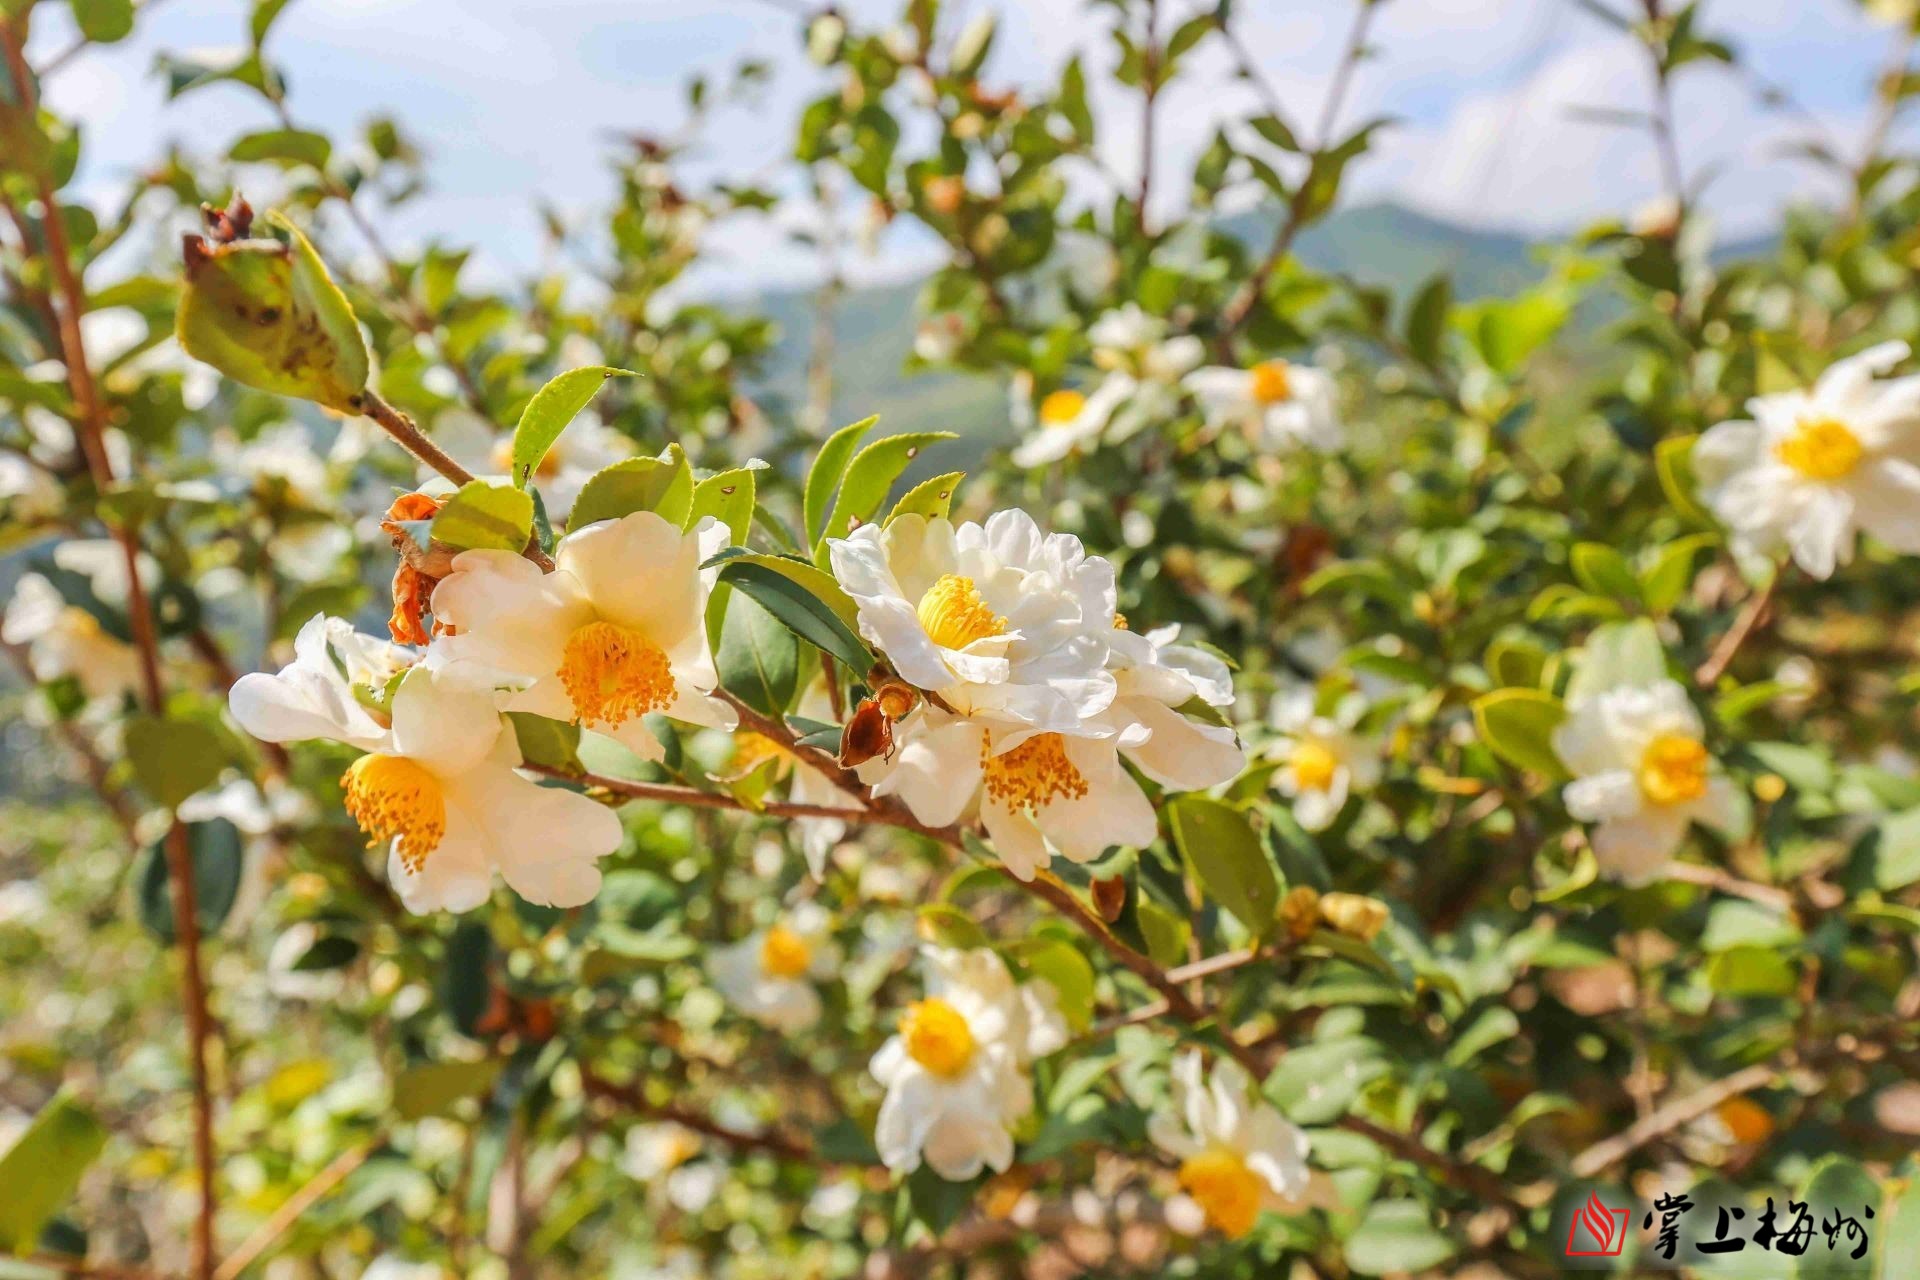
[515, 100]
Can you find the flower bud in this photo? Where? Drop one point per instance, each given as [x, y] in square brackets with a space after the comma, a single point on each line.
[1354, 915]
[1300, 911]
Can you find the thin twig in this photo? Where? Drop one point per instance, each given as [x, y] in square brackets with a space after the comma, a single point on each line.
[315, 1190]
[1603, 1155]
[1888, 97]
[1242, 304]
[1664, 138]
[771, 1141]
[1149, 94]
[91, 424]
[1750, 617]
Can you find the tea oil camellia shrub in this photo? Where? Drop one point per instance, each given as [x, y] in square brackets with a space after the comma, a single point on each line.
[1326, 781]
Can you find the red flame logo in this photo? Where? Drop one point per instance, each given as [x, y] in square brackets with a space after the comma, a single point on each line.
[1604, 1229]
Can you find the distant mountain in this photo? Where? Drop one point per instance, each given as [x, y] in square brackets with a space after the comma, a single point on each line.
[1383, 245]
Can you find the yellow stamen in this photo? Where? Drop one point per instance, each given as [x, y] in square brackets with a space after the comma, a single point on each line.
[1313, 765]
[954, 614]
[1119, 622]
[1271, 384]
[1222, 1184]
[1033, 774]
[1674, 769]
[1822, 449]
[1062, 407]
[394, 796]
[614, 674]
[784, 953]
[937, 1037]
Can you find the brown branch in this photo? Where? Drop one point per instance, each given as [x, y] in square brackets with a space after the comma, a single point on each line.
[772, 1141]
[1150, 93]
[1664, 137]
[1603, 1155]
[1750, 618]
[290, 1210]
[1242, 304]
[91, 422]
[1889, 87]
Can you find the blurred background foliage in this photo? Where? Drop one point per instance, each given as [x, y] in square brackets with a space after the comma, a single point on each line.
[522, 1091]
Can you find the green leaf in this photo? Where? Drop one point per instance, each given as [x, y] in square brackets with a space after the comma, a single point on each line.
[805, 599]
[1427, 320]
[104, 21]
[1396, 1237]
[727, 496]
[1618, 655]
[1734, 922]
[289, 146]
[268, 315]
[265, 14]
[552, 743]
[870, 477]
[436, 1088]
[485, 516]
[1896, 855]
[1226, 856]
[1672, 573]
[1165, 933]
[1838, 1183]
[758, 657]
[946, 925]
[824, 477]
[1060, 963]
[930, 498]
[1673, 463]
[219, 860]
[663, 485]
[551, 409]
[1516, 661]
[1750, 971]
[43, 1168]
[1604, 571]
[1517, 725]
[465, 978]
[172, 759]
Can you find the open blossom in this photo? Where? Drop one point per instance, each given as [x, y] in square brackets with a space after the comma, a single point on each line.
[956, 1072]
[770, 974]
[1323, 760]
[65, 640]
[1069, 419]
[1238, 1155]
[438, 785]
[616, 632]
[1278, 404]
[996, 619]
[584, 448]
[1813, 468]
[1641, 775]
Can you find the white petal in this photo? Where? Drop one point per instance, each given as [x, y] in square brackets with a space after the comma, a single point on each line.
[1603, 796]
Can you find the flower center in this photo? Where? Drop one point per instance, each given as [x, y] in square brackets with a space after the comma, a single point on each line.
[1821, 450]
[614, 674]
[1313, 766]
[937, 1037]
[1674, 769]
[955, 616]
[784, 953]
[1033, 774]
[1222, 1184]
[394, 796]
[1271, 384]
[1061, 407]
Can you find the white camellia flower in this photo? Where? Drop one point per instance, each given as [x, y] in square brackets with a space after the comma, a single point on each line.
[616, 632]
[1641, 775]
[584, 448]
[1068, 420]
[1238, 1155]
[1069, 792]
[63, 639]
[1132, 341]
[996, 619]
[1279, 405]
[438, 784]
[1813, 468]
[769, 975]
[1323, 760]
[956, 1072]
